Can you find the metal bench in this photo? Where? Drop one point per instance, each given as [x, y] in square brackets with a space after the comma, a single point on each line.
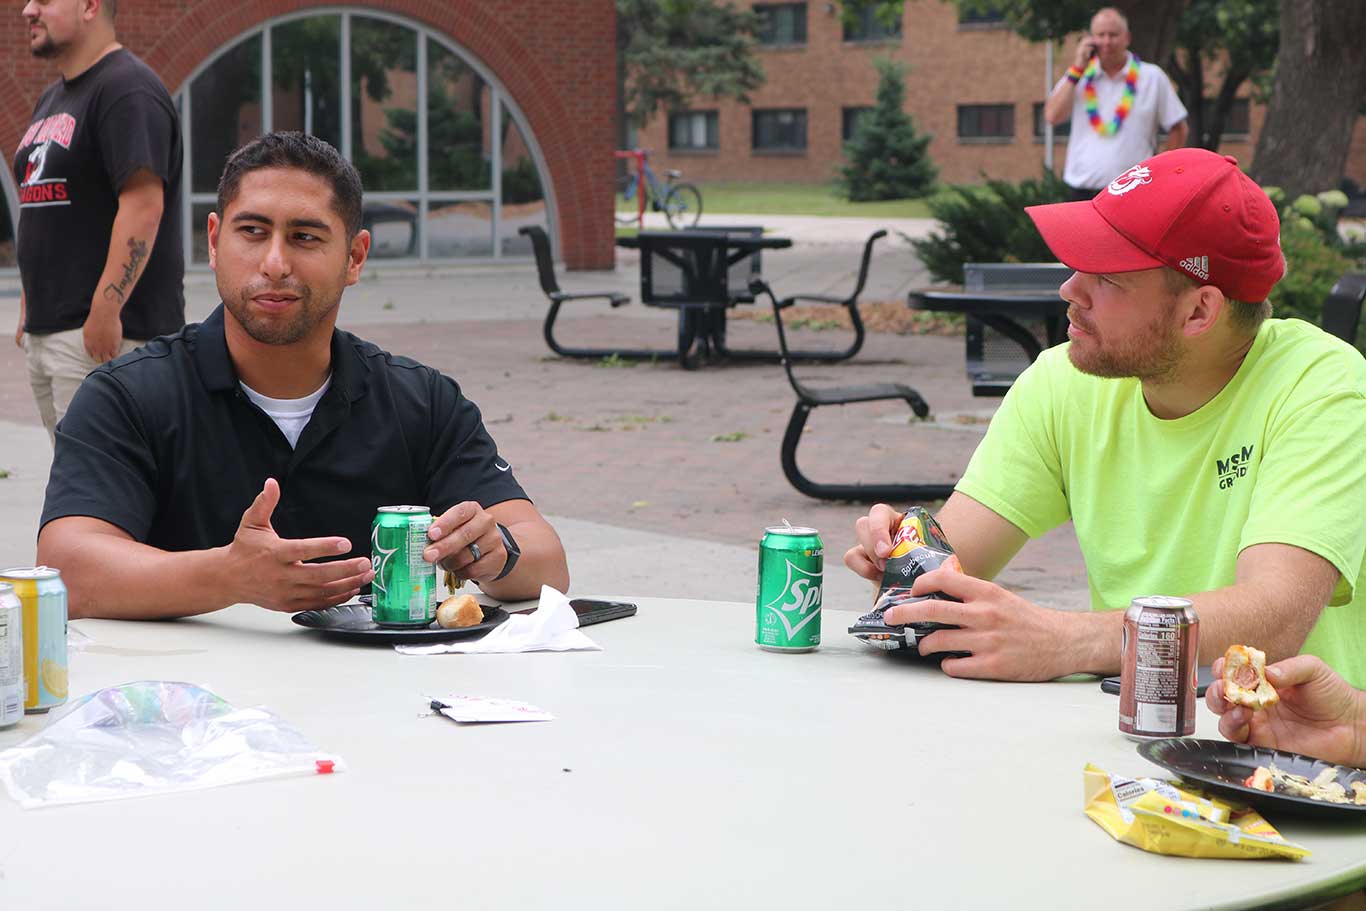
[809, 397]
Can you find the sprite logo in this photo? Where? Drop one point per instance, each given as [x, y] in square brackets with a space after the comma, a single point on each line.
[379, 559]
[799, 602]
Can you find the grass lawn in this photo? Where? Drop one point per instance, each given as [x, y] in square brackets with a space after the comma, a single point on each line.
[794, 199]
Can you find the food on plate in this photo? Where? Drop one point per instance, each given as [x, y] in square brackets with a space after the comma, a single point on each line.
[1324, 786]
[1245, 680]
[459, 611]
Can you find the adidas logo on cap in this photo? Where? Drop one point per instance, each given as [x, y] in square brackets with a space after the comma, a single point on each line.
[1197, 266]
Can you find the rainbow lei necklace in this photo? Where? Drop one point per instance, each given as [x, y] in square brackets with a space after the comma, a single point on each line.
[1125, 105]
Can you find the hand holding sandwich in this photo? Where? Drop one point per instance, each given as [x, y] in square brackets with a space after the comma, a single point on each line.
[1318, 714]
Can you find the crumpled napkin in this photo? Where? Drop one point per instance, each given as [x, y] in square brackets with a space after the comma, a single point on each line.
[552, 627]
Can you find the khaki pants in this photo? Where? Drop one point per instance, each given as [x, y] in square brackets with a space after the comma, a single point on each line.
[57, 363]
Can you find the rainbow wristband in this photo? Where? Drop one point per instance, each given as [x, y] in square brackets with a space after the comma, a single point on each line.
[1073, 75]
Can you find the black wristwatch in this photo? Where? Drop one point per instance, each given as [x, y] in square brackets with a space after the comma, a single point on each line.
[510, 545]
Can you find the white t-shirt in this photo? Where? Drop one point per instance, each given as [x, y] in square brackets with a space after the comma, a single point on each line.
[1094, 160]
[290, 415]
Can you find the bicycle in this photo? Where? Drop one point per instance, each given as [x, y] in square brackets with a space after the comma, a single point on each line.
[681, 202]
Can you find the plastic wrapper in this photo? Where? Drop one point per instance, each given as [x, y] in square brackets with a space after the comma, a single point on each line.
[918, 546]
[154, 737]
[1161, 817]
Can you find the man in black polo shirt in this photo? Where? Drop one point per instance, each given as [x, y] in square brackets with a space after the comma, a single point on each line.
[210, 466]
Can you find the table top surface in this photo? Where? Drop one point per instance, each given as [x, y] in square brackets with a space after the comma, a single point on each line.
[685, 766]
[1004, 303]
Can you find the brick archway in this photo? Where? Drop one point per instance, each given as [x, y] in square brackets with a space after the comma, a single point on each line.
[554, 57]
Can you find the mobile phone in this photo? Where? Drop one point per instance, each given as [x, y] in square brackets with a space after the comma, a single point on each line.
[1203, 678]
[591, 610]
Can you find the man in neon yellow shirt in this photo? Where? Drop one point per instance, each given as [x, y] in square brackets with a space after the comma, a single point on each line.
[1199, 448]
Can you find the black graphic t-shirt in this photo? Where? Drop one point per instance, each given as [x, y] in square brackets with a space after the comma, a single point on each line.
[87, 137]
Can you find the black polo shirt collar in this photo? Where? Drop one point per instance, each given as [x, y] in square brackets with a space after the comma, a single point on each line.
[350, 372]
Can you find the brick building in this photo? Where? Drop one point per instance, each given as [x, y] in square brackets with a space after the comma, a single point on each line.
[975, 85]
[467, 119]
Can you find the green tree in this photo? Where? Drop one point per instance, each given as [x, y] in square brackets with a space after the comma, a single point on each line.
[887, 158]
[987, 224]
[671, 51]
[1239, 39]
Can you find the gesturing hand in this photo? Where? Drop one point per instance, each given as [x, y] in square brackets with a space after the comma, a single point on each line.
[272, 571]
[1319, 713]
[452, 534]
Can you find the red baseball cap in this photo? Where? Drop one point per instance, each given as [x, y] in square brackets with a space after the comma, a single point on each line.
[1189, 209]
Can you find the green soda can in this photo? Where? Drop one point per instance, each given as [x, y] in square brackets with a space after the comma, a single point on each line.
[404, 582]
[791, 572]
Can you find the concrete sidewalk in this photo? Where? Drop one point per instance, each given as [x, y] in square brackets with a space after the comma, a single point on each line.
[660, 481]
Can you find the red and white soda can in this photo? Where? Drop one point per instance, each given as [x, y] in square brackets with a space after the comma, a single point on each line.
[1160, 654]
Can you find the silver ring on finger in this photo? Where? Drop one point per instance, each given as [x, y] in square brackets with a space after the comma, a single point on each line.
[475, 552]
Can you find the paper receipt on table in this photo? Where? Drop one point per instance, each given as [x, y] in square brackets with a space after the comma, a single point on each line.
[486, 709]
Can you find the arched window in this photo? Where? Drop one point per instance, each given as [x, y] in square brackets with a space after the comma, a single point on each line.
[449, 168]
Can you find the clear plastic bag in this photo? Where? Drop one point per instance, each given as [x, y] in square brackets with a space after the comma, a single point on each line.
[154, 737]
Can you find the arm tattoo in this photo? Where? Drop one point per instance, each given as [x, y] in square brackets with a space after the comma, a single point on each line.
[137, 252]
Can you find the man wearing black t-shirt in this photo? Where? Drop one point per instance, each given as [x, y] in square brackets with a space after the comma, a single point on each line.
[207, 468]
[98, 171]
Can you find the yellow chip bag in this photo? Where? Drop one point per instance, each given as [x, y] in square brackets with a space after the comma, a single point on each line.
[1160, 817]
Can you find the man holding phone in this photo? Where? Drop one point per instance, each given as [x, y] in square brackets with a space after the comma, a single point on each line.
[1116, 104]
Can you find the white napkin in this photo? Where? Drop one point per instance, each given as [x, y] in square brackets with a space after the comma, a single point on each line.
[552, 627]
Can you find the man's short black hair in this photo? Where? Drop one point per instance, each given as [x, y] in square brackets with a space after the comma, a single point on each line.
[302, 151]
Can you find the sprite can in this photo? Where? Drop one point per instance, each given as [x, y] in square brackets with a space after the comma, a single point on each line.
[404, 582]
[791, 561]
[43, 594]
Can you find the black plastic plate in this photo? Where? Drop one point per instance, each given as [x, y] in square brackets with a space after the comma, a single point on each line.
[353, 623]
[1222, 766]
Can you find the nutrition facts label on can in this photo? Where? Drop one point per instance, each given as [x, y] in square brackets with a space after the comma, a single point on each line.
[1157, 675]
[417, 543]
[11, 668]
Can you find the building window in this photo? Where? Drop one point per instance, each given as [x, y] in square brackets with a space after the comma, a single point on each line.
[781, 23]
[1060, 130]
[867, 25]
[986, 122]
[780, 130]
[849, 121]
[448, 171]
[691, 131]
[981, 15]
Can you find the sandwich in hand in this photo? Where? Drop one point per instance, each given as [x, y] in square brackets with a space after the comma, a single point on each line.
[1245, 680]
